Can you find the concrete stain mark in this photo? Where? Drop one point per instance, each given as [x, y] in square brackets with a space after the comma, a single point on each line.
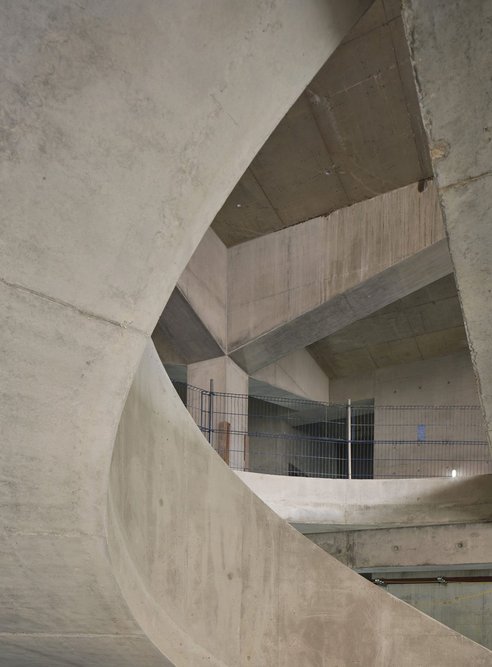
[457, 598]
[122, 325]
[439, 150]
[48, 533]
[65, 56]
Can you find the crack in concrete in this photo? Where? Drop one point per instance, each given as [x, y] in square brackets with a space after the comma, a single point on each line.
[465, 181]
[122, 635]
[122, 325]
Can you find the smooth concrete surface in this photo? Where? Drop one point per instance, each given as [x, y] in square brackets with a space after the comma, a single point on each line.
[458, 127]
[215, 577]
[448, 380]
[319, 505]
[181, 336]
[445, 546]
[125, 127]
[203, 283]
[297, 373]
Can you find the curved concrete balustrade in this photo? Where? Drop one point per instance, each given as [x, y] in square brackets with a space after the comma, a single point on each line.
[125, 126]
[215, 577]
[315, 504]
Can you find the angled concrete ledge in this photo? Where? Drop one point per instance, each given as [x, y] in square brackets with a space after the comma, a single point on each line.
[184, 331]
[318, 505]
[343, 309]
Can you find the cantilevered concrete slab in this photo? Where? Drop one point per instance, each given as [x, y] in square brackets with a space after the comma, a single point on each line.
[456, 103]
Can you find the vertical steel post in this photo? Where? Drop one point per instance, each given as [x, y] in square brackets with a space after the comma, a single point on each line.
[202, 411]
[349, 437]
[210, 410]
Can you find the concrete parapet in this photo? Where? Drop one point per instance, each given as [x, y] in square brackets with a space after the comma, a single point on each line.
[212, 575]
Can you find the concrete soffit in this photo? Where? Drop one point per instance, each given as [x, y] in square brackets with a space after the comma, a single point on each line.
[400, 280]
[183, 329]
[310, 292]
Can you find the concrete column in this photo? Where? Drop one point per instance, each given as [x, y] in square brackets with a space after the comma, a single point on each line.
[228, 414]
[450, 46]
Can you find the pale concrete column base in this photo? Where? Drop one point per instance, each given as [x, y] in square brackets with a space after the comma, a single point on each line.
[229, 420]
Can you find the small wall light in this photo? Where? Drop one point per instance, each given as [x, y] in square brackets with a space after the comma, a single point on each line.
[453, 472]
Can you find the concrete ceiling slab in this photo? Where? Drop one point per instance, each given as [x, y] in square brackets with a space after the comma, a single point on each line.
[185, 331]
[342, 141]
[295, 169]
[422, 325]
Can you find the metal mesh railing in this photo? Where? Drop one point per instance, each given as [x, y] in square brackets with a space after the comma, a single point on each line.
[298, 437]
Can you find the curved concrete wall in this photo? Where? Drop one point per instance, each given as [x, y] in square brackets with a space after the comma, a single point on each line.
[332, 504]
[124, 126]
[215, 577]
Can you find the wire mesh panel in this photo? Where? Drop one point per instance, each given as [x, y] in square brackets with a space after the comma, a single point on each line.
[299, 437]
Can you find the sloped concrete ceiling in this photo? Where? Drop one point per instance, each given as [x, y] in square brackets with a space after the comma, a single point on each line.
[354, 133]
[425, 324]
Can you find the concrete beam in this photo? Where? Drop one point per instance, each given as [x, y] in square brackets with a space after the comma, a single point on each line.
[456, 103]
[463, 545]
[334, 314]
